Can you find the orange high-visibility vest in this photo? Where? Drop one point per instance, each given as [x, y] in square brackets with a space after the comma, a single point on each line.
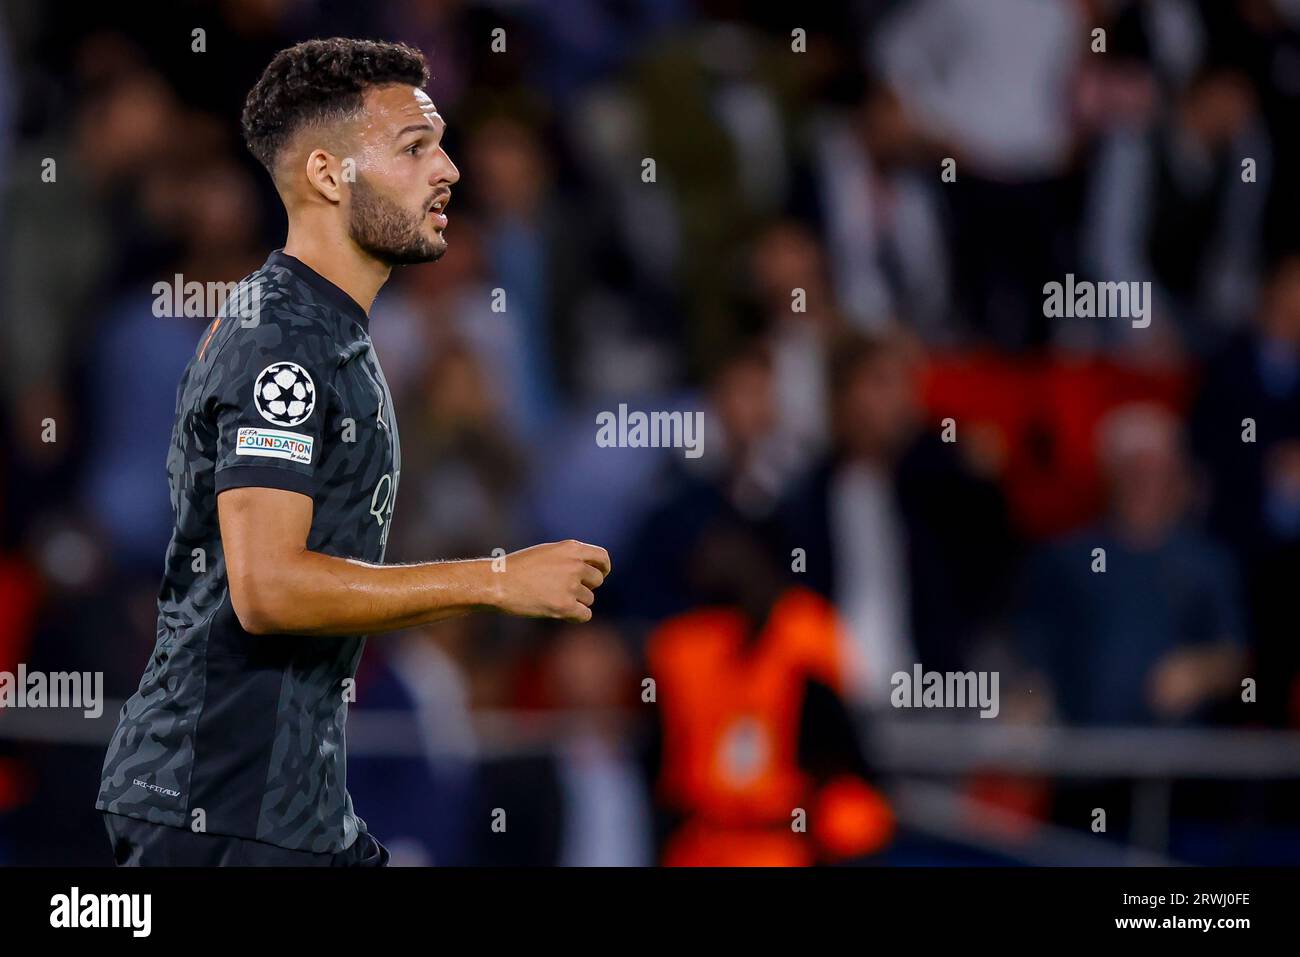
[730, 715]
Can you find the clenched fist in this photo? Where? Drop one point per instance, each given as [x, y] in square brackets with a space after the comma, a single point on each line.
[555, 580]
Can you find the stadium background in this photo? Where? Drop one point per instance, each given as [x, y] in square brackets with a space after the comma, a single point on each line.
[776, 170]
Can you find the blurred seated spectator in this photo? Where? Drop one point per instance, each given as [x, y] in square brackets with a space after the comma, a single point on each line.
[1169, 204]
[757, 761]
[911, 546]
[578, 797]
[212, 211]
[462, 467]
[528, 251]
[1246, 433]
[732, 479]
[869, 187]
[606, 799]
[1158, 636]
[1032, 423]
[788, 292]
[418, 804]
[1257, 378]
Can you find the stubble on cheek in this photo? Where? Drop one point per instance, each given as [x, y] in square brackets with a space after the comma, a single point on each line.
[390, 231]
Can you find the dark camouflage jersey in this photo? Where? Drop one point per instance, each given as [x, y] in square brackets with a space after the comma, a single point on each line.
[247, 728]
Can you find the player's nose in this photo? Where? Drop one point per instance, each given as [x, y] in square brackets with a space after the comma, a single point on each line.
[445, 173]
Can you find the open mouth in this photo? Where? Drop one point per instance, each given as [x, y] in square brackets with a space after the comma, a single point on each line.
[438, 210]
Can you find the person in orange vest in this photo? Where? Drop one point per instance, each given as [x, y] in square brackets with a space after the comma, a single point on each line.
[757, 760]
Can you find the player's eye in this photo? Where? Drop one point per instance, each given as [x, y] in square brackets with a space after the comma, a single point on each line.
[413, 149]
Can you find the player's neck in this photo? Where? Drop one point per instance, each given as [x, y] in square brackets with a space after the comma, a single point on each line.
[339, 261]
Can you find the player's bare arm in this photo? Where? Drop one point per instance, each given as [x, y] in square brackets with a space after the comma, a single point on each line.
[278, 586]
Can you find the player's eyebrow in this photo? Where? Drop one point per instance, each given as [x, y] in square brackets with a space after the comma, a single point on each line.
[425, 127]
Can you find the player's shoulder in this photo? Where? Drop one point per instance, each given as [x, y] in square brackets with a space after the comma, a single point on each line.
[285, 294]
[278, 345]
[276, 316]
[281, 306]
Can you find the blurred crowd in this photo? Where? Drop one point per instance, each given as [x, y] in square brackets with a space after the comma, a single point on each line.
[841, 260]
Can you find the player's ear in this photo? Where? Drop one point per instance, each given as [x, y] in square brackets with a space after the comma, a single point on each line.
[325, 174]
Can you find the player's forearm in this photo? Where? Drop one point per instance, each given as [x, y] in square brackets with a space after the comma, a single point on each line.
[316, 594]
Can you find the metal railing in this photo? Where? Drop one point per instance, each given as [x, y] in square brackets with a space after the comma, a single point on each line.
[910, 751]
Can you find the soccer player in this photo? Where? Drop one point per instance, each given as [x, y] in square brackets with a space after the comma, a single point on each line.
[283, 467]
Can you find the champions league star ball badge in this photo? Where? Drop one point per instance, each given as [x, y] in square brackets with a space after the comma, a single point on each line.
[284, 393]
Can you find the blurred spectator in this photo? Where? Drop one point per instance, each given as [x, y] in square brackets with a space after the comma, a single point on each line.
[53, 277]
[1261, 38]
[1171, 204]
[785, 262]
[607, 817]
[993, 84]
[909, 544]
[1246, 431]
[733, 480]
[1136, 620]
[462, 471]
[871, 189]
[1256, 377]
[419, 804]
[584, 801]
[526, 246]
[213, 212]
[705, 110]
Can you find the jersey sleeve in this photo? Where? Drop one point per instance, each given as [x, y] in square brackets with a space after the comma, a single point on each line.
[269, 395]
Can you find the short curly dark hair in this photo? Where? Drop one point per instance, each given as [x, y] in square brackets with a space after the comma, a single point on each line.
[321, 80]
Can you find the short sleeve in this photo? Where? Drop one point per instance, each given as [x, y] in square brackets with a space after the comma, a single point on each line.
[269, 396]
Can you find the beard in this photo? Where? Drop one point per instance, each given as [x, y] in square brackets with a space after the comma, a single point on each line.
[387, 231]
